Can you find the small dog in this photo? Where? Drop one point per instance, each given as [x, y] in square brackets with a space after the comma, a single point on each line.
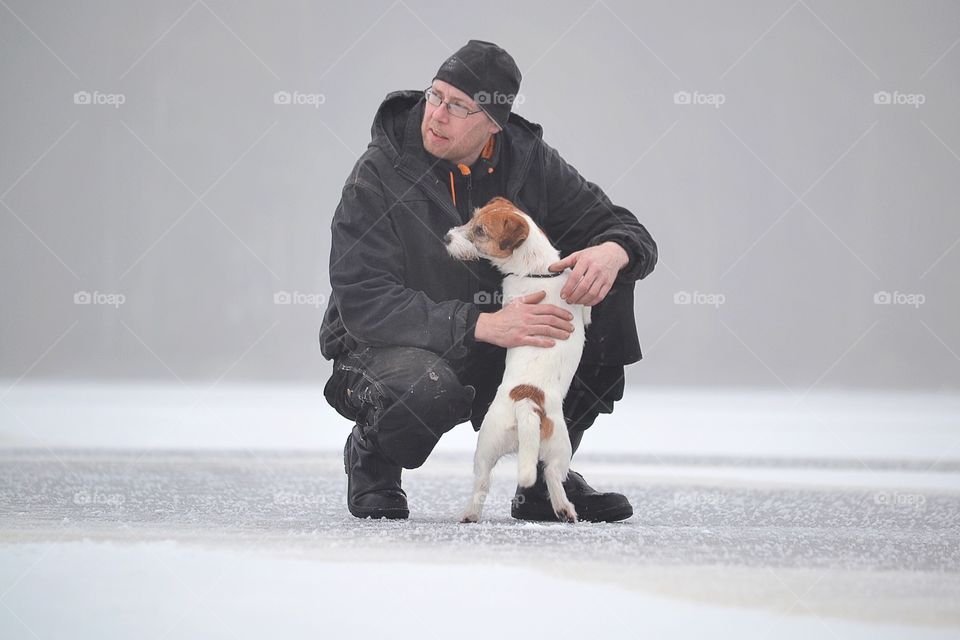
[527, 413]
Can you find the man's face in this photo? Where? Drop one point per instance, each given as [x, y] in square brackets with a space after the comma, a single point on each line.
[458, 140]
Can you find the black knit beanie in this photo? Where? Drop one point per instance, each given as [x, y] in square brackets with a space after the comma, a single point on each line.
[487, 74]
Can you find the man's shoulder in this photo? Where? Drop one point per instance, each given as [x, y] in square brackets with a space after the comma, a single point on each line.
[367, 172]
[524, 134]
[525, 141]
[518, 126]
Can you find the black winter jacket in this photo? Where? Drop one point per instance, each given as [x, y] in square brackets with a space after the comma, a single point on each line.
[393, 282]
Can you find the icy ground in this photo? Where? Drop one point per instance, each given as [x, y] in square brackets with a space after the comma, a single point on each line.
[156, 512]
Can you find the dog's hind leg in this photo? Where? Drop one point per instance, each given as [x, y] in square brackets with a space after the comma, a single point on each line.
[554, 477]
[528, 436]
[556, 466]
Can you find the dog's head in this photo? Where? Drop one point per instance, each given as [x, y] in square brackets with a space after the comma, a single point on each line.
[494, 232]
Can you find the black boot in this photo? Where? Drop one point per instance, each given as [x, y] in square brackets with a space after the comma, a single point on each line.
[373, 481]
[533, 503]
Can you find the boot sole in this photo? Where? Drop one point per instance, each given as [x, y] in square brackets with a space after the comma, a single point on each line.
[380, 514]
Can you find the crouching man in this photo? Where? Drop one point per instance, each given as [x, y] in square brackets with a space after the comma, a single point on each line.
[418, 340]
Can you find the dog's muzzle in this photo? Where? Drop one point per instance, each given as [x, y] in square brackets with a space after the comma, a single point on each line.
[459, 246]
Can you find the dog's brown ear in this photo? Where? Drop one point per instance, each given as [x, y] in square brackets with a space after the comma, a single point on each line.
[515, 231]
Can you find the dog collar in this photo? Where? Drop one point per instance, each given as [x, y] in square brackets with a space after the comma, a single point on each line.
[538, 275]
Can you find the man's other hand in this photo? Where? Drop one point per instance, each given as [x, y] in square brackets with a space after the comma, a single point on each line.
[594, 270]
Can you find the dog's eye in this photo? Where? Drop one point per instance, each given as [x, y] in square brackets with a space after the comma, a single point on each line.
[479, 232]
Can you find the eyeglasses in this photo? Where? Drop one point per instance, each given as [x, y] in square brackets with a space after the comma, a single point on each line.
[454, 109]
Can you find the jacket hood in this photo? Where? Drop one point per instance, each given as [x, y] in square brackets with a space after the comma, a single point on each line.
[387, 131]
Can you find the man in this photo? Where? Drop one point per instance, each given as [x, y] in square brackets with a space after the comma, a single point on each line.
[418, 339]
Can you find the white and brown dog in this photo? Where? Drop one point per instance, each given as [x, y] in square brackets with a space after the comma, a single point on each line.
[527, 413]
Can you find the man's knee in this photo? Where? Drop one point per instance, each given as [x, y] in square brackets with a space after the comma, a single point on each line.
[408, 398]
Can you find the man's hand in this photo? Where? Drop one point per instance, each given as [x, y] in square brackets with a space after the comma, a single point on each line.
[523, 322]
[594, 270]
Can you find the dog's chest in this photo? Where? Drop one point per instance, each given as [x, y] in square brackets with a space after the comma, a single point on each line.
[515, 287]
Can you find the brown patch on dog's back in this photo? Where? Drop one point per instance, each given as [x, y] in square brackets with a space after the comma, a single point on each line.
[535, 394]
[522, 391]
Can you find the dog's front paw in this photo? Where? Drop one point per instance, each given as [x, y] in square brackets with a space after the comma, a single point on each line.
[469, 518]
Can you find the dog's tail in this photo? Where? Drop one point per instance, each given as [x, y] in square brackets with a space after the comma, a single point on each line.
[529, 415]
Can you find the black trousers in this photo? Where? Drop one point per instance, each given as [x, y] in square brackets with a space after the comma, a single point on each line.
[406, 398]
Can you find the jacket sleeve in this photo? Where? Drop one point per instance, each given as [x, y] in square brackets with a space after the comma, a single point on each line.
[579, 215]
[367, 278]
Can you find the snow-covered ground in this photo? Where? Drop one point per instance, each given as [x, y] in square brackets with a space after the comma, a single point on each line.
[169, 590]
[171, 512]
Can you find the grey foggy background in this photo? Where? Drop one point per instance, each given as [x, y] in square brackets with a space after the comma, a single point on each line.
[795, 202]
